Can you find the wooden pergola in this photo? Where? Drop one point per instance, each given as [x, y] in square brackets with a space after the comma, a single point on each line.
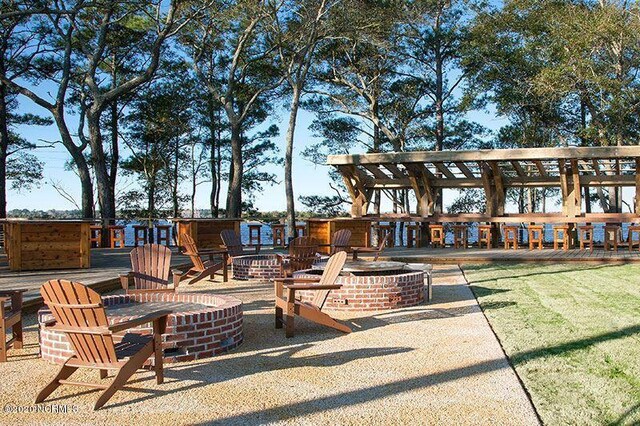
[569, 168]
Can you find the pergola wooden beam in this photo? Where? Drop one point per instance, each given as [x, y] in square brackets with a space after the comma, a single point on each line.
[511, 182]
[465, 170]
[518, 168]
[518, 154]
[444, 170]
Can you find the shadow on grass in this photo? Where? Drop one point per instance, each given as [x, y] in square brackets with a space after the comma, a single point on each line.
[574, 345]
[627, 416]
[507, 269]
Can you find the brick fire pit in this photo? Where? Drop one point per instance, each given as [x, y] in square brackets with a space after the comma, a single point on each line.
[372, 290]
[261, 267]
[200, 326]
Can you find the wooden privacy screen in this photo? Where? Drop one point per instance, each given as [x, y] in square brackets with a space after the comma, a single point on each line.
[42, 245]
[205, 232]
[323, 229]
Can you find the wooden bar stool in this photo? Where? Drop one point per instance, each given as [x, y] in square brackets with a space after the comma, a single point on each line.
[436, 232]
[140, 234]
[413, 235]
[10, 318]
[585, 235]
[484, 235]
[254, 235]
[301, 230]
[163, 233]
[611, 236]
[277, 229]
[460, 236]
[536, 236]
[634, 229]
[96, 235]
[384, 230]
[561, 236]
[116, 235]
[511, 237]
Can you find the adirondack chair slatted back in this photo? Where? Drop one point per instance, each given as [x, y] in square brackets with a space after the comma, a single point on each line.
[191, 250]
[232, 242]
[77, 307]
[340, 240]
[302, 253]
[329, 275]
[150, 264]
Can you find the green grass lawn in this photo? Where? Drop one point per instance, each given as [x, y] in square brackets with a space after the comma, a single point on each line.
[573, 334]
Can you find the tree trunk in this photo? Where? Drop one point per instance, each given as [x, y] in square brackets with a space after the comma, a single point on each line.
[151, 206]
[213, 162]
[234, 194]
[439, 110]
[4, 148]
[174, 187]
[115, 154]
[106, 197]
[288, 160]
[218, 172]
[80, 162]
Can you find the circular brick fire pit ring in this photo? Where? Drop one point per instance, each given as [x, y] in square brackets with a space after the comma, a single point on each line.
[201, 325]
[260, 267]
[371, 292]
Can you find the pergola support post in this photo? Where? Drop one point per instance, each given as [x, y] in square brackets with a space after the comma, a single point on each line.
[360, 195]
[637, 197]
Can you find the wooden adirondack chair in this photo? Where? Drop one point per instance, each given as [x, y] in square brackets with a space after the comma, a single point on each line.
[10, 319]
[150, 266]
[234, 246]
[202, 268]
[79, 313]
[341, 241]
[377, 251]
[291, 307]
[303, 252]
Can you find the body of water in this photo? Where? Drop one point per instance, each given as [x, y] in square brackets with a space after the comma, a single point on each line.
[267, 236]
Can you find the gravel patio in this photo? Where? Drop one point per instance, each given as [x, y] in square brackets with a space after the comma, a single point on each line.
[436, 363]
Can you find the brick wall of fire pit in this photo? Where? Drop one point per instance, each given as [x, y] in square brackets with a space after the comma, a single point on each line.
[261, 267]
[201, 326]
[372, 292]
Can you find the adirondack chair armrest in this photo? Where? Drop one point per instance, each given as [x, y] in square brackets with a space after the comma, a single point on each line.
[208, 252]
[124, 280]
[152, 317]
[177, 277]
[365, 249]
[12, 292]
[313, 286]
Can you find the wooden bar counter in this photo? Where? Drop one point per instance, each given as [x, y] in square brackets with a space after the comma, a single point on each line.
[48, 244]
[323, 229]
[205, 231]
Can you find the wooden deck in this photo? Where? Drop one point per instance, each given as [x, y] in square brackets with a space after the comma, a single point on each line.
[449, 255]
[106, 264]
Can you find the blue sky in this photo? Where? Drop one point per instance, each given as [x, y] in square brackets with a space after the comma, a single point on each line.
[308, 178]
